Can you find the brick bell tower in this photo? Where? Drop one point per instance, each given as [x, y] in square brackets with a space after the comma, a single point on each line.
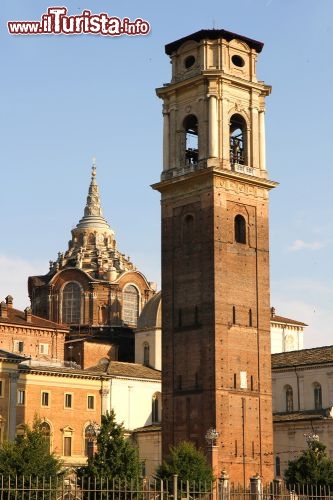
[215, 254]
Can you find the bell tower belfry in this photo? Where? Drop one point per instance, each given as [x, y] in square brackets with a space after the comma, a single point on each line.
[216, 366]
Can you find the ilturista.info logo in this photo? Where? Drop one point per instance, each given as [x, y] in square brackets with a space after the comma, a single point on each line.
[57, 22]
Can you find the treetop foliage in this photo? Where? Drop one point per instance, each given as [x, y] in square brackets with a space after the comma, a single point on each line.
[116, 457]
[189, 463]
[313, 467]
[29, 454]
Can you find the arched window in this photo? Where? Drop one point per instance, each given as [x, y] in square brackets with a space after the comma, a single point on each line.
[156, 408]
[188, 228]
[317, 396]
[240, 229]
[46, 432]
[289, 398]
[89, 438]
[191, 140]
[146, 354]
[237, 140]
[71, 303]
[130, 305]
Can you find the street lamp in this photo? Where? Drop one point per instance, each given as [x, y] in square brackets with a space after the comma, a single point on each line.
[211, 436]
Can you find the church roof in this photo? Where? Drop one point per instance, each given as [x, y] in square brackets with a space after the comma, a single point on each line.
[92, 247]
[151, 315]
[127, 370]
[281, 319]
[213, 34]
[303, 357]
[135, 370]
[302, 415]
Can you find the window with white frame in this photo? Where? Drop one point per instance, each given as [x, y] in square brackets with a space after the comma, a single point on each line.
[43, 348]
[18, 346]
[68, 400]
[91, 402]
[21, 397]
[45, 396]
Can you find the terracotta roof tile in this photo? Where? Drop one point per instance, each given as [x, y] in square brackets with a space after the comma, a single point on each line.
[16, 317]
[302, 415]
[118, 368]
[149, 428]
[314, 356]
[281, 319]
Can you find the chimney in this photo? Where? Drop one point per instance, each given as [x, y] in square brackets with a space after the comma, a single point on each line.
[272, 312]
[3, 310]
[27, 312]
[9, 301]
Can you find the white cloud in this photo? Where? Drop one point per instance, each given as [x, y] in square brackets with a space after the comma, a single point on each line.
[302, 245]
[14, 273]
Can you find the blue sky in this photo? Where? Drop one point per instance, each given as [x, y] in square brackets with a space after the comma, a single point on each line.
[65, 99]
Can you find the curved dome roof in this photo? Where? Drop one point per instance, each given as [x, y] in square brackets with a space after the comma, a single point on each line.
[151, 315]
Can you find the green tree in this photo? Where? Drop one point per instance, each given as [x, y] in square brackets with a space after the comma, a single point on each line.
[312, 467]
[29, 455]
[116, 457]
[189, 463]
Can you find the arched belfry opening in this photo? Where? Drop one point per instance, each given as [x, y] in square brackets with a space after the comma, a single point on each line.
[191, 140]
[238, 150]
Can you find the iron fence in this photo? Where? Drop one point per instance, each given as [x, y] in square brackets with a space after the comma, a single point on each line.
[73, 488]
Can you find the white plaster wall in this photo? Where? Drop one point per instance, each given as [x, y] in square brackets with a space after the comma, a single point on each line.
[131, 399]
[153, 337]
[284, 338]
[302, 382]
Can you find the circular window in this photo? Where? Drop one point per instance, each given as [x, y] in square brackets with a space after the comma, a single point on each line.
[238, 61]
[189, 61]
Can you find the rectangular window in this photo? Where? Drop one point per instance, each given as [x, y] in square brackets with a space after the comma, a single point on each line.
[20, 397]
[243, 380]
[2, 388]
[43, 348]
[91, 402]
[18, 345]
[45, 399]
[68, 400]
[67, 446]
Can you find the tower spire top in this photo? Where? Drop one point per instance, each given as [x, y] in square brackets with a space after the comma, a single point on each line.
[93, 215]
[93, 205]
[93, 168]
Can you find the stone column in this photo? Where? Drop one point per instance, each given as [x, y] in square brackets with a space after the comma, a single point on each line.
[224, 486]
[262, 140]
[277, 488]
[166, 139]
[11, 426]
[252, 134]
[225, 130]
[104, 392]
[212, 128]
[255, 487]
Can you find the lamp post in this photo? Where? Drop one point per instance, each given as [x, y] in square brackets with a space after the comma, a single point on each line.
[211, 437]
